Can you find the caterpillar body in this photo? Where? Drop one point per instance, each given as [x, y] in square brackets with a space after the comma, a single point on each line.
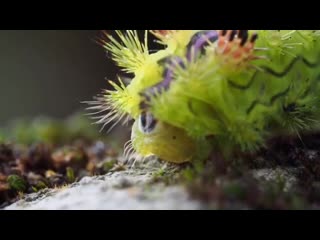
[238, 87]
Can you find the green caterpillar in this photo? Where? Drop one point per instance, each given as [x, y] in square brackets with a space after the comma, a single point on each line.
[232, 89]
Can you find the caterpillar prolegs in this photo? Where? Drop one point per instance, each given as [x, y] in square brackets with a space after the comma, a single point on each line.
[238, 86]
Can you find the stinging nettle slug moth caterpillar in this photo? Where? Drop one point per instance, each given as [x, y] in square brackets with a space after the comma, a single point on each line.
[230, 88]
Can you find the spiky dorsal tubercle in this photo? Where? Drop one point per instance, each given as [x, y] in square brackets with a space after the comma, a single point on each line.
[129, 52]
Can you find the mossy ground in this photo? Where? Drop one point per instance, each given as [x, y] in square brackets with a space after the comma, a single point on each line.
[284, 175]
[46, 153]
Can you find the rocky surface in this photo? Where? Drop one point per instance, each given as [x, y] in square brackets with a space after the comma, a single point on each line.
[115, 191]
[287, 174]
[125, 190]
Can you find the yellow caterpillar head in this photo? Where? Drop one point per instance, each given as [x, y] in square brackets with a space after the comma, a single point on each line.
[152, 137]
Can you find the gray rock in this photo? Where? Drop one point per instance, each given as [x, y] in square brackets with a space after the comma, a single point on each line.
[117, 191]
[285, 174]
[132, 189]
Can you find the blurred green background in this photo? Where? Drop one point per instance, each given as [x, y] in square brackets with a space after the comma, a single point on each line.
[49, 72]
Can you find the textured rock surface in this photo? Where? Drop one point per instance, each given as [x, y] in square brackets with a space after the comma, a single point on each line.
[286, 174]
[118, 191]
[130, 189]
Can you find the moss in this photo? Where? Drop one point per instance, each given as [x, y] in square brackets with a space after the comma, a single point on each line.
[70, 175]
[17, 183]
[108, 165]
[160, 173]
[189, 174]
[169, 174]
[39, 186]
[160, 176]
[191, 171]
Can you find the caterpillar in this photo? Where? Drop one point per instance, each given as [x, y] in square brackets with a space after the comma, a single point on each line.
[224, 89]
